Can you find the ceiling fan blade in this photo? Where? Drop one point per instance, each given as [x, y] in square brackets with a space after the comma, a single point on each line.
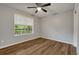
[44, 10]
[48, 4]
[36, 11]
[31, 7]
[37, 4]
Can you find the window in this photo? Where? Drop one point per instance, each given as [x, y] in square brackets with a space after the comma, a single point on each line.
[23, 24]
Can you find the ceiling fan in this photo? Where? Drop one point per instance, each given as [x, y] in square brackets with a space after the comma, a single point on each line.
[39, 6]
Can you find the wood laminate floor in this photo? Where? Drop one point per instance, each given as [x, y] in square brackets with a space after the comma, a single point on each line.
[40, 46]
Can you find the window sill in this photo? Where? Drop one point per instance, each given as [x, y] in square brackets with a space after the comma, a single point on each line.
[23, 34]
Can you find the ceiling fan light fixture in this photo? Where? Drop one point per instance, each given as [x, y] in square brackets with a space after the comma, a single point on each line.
[38, 8]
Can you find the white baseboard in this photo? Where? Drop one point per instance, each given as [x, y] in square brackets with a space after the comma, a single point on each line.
[58, 40]
[32, 39]
[19, 42]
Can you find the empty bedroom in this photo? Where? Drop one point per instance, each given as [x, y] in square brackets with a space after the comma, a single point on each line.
[39, 28]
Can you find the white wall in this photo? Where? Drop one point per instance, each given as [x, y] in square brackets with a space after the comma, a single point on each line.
[76, 23]
[58, 27]
[7, 36]
[78, 32]
[76, 27]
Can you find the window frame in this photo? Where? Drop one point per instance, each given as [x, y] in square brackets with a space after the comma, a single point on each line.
[24, 33]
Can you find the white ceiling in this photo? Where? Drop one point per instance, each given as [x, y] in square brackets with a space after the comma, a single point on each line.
[55, 8]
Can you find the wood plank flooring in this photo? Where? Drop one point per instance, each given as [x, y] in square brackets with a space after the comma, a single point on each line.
[40, 46]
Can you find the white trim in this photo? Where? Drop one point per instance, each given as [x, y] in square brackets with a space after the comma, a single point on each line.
[23, 34]
[75, 25]
[34, 38]
[57, 40]
[19, 42]
[77, 52]
[23, 24]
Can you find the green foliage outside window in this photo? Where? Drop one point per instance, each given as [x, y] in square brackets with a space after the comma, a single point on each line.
[23, 29]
